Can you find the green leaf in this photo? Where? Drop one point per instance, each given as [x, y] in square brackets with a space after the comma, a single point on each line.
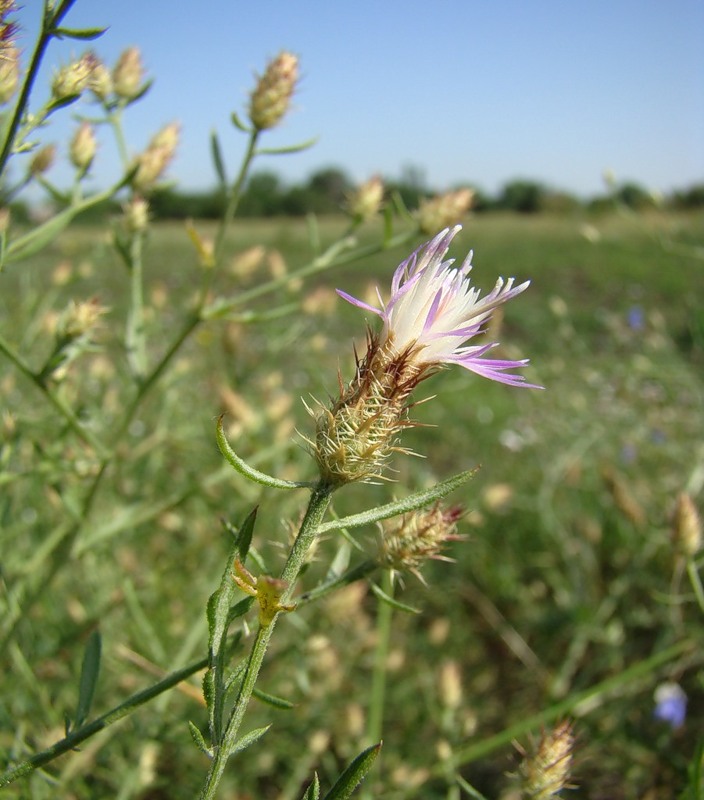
[411, 503]
[354, 774]
[250, 472]
[140, 94]
[218, 162]
[85, 34]
[244, 536]
[249, 739]
[397, 604]
[218, 614]
[313, 791]
[237, 122]
[272, 700]
[282, 151]
[239, 609]
[199, 740]
[89, 677]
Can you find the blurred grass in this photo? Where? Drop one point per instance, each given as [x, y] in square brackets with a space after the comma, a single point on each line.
[567, 574]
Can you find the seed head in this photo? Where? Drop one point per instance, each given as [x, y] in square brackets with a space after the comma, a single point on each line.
[271, 97]
[136, 214]
[100, 82]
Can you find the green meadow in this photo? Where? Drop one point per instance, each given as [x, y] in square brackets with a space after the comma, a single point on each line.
[568, 598]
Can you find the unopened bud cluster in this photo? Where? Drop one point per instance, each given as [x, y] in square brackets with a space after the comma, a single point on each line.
[271, 97]
[357, 435]
[445, 210]
[408, 541]
[365, 202]
[545, 773]
[136, 215]
[9, 72]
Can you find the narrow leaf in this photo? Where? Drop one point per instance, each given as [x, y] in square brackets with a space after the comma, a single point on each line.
[237, 122]
[391, 601]
[218, 162]
[410, 503]
[249, 739]
[313, 791]
[199, 740]
[218, 613]
[244, 536]
[239, 609]
[250, 472]
[89, 677]
[354, 774]
[86, 34]
[140, 94]
[282, 151]
[272, 700]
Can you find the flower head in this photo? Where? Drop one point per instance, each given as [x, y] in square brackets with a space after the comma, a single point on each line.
[433, 311]
[670, 704]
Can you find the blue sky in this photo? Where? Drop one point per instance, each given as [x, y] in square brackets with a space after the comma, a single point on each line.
[468, 90]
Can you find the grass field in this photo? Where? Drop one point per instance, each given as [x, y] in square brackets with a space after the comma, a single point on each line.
[566, 599]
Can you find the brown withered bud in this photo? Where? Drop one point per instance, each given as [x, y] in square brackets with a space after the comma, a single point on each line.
[546, 772]
[43, 160]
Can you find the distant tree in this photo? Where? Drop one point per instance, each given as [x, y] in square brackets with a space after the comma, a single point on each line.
[169, 204]
[262, 196]
[693, 197]
[522, 195]
[327, 188]
[634, 196]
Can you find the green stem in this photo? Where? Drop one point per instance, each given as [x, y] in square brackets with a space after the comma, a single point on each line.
[49, 22]
[74, 738]
[696, 582]
[320, 498]
[384, 619]
[134, 335]
[73, 422]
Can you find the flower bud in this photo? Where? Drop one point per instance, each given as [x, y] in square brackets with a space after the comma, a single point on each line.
[100, 82]
[409, 540]
[686, 526]
[152, 163]
[83, 147]
[79, 319]
[128, 74]
[72, 79]
[546, 772]
[9, 72]
[365, 202]
[43, 160]
[444, 210]
[4, 220]
[271, 97]
[450, 685]
[136, 215]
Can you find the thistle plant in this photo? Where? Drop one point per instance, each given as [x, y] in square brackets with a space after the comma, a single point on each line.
[111, 479]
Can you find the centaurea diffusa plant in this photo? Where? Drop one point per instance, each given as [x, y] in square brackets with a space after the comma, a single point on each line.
[431, 314]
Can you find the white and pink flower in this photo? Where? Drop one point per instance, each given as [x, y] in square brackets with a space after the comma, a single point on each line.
[433, 312]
